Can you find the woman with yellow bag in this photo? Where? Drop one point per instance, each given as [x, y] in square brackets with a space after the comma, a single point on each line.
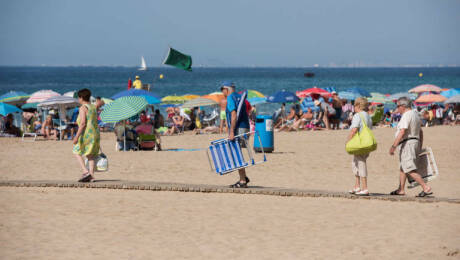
[359, 148]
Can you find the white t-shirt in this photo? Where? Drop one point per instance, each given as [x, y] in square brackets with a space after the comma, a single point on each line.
[356, 122]
[412, 123]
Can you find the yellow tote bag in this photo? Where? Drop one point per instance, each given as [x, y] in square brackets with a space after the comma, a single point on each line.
[362, 143]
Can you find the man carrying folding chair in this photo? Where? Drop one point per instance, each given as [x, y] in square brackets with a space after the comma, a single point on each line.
[237, 121]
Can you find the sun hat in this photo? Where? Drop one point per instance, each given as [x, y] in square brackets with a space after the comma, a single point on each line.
[137, 77]
[317, 102]
[333, 92]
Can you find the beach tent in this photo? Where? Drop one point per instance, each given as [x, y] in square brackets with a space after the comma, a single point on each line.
[425, 88]
[448, 93]
[199, 102]
[123, 108]
[282, 96]
[61, 103]
[41, 96]
[453, 100]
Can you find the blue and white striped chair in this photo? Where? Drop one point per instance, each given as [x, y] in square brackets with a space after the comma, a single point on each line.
[226, 156]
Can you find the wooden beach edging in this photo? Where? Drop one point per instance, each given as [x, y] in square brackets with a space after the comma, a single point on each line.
[180, 187]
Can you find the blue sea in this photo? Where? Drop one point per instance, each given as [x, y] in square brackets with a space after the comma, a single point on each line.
[107, 81]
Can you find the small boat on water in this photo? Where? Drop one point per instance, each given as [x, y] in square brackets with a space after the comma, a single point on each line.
[143, 64]
[309, 74]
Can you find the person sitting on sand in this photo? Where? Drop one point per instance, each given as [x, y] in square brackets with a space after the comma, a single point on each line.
[48, 128]
[177, 124]
[9, 126]
[290, 119]
[409, 138]
[303, 122]
[359, 165]
[146, 128]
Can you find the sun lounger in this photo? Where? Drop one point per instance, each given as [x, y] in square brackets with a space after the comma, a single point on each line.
[34, 135]
[226, 156]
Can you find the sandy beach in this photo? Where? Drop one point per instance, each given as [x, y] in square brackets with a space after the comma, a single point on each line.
[46, 223]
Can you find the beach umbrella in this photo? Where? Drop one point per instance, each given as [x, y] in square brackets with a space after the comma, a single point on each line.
[307, 103]
[452, 100]
[190, 96]
[6, 109]
[150, 97]
[430, 98]
[330, 89]
[257, 100]
[425, 88]
[349, 95]
[360, 91]
[122, 109]
[314, 90]
[448, 93]
[72, 94]
[399, 95]
[282, 97]
[216, 96]
[29, 106]
[107, 100]
[41, 96]
[14, 97]
[173, 99]
[199, 102]
[252, 93]
[57, 101]
[377, 98]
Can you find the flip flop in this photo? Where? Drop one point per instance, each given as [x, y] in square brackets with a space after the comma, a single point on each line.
[424, 194]
[396, 193]
[85, 178]
[239, 185]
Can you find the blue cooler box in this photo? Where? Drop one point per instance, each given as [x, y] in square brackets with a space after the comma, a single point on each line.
[264, 132]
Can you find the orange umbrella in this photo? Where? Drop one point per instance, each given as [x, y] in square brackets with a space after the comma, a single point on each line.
[430, 98]
[425, 88]
[216, 96]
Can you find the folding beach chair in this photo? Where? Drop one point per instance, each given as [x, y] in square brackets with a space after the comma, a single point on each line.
[426, 167]
[226, 156]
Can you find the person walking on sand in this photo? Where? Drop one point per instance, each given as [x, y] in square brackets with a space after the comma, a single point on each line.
[237, 122]
[86, 141]
[409, 138]
[358, 164]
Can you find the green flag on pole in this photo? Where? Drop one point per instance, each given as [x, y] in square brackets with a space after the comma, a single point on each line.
[178, 60]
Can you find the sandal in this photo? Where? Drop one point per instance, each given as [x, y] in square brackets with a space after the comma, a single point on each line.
[86, 178]
[424, 194]
[362, 193]
[239, 185]
[354, 191]
[396, 193]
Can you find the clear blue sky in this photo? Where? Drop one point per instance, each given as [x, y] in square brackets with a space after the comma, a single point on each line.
[230, 33]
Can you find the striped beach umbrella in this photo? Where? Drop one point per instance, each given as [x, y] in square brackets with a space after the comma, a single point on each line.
[253, 94]
[151, 98]
[430, 98]
[312, 91]
[216, 96]
[14, 97]
[453, 100]
[41, 96]
[378, 98]
[425, 88]
[123, 108]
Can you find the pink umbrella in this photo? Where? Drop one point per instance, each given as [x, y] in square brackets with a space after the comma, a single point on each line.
[425, 88]
[310, 91]
[41, 96]
[430, 98]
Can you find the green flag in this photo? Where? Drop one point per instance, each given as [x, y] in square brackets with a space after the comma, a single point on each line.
[178, 60]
